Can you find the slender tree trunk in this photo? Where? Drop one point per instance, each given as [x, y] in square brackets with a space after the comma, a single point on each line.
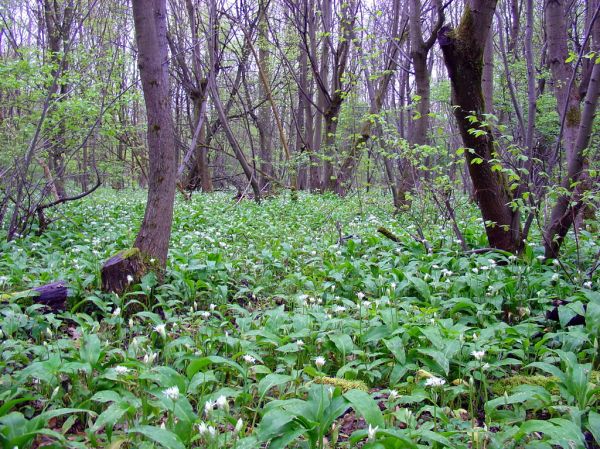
[488, 74]
[376, 97]
[567, 99]
[265, 129]
[58, 21]
[569, 205]
[303, 143]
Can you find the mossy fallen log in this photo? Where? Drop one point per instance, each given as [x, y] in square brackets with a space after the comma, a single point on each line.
[344, 384]
[389, 234]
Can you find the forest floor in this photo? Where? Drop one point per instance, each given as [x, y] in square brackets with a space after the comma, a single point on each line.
[271, 331]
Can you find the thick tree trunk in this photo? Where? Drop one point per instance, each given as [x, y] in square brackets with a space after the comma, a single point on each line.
[463, 55]
[151, 29]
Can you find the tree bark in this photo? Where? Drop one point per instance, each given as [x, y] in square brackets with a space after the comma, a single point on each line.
[58, 21]
[264, 121]
[568, 205]
[463, 55]
[567, 99]
[151, 37]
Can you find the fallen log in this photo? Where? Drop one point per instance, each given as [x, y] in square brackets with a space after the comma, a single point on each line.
[53, 296]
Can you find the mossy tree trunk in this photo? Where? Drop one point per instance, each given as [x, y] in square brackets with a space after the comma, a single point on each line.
[463, 55]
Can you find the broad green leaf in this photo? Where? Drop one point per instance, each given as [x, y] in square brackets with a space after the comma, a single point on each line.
[366, 406]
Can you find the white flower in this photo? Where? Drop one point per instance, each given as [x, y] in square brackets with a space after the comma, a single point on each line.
[446, 273]
[249, 359]
[393, 395]
[149, 358]
[366, 304]
[129, 279]
[202, 428]
[372, 432]
[360, 295]
[117, 311]
[300, 343]
[541, 258]
[205, 314]
[172, 392]
[238, 425]
[587, 284]
[320, 361]
[512, 258]
[555, 277]
[475, 270]
[338, 309]
[209, 406]
[121, 370]
[212, 307]
[434, 382]
[212, 431]
[393, 285]
[161, 329]
[130, 322]
[478, 354]
[49, 332]
[221, 401]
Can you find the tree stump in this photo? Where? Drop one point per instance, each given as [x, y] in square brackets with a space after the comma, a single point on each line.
[121, 270]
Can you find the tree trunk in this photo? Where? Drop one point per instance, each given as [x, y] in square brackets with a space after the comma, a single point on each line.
[567, 99]
[463, 55]
[150, 32]
[567, 206]
[264, 121]
[488, 74]
[58, 20]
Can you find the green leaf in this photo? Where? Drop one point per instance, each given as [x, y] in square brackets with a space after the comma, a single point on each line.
[594, 425]
[164, 437]
[366, 406]
[90, 349]
[110, 416]
[270, 381]
[272, 423]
